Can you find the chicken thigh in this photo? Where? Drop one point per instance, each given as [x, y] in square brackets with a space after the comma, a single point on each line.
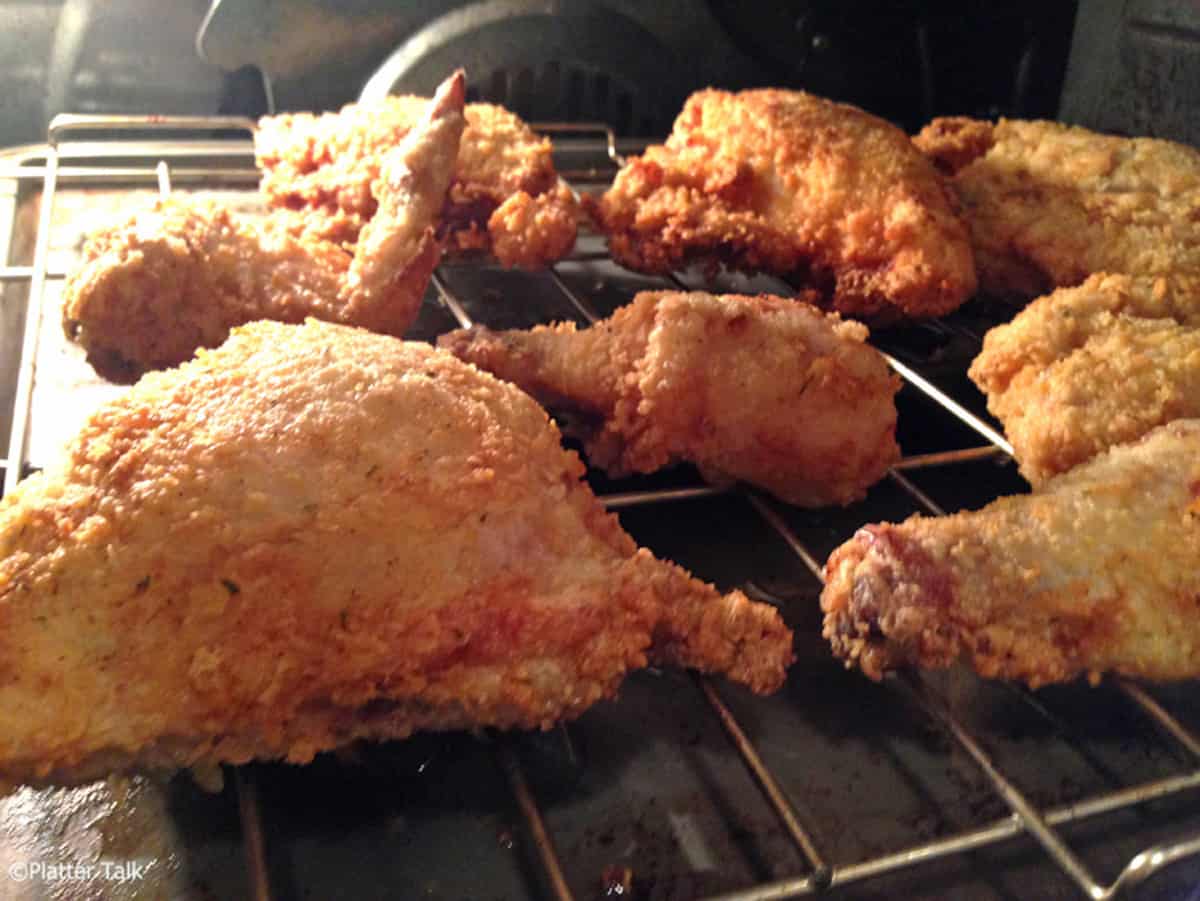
[315, 534]
[821, 193]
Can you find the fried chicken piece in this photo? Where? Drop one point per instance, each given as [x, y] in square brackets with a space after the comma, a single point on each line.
[764, 389]
[784, 182]
[155, 288]
[1095, 573]
[506, 196]
[316, 534]
[952, 142]
[1085, 368]
[1050, 204]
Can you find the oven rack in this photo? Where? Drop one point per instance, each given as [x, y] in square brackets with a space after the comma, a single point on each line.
[134, 151]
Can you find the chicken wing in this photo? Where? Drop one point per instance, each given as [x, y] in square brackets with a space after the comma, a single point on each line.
[821, 193]
[179, 277]
[316, 534]
[764, 389]
[1095, 573]
[505, 197]
[1050, 204]
[1085, 368]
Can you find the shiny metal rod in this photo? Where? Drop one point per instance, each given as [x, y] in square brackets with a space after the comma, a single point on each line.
[767, 782]
[19, 434]
[985, 836]
[65, 123]
[585, 128]
[451, 301]
[584, 308]
[1151, 861]
[916, 493]
[1160, 716]
[948, 403]
[773, 519]
[623, 499]
[163, 173]
[25, 273]
[942, 458]
[547, 856]
[253, 842]
[1058, 851]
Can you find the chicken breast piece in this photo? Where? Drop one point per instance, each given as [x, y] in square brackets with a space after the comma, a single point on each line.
[1095, 573]
[821, 193]
[1085, 368]
[764, 389]
[153, 289]
[315, 534]
[1050, 204]
[505, 197]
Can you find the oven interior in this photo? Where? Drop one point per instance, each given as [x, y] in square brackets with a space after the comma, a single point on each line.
[924, 786]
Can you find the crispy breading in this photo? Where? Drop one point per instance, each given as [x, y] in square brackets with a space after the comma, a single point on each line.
[764, 389]
[954, 141]
[532, 232]
[821, 193]
[316, 534]
[325, 164]
[154, 288]
[1050, 204]
[1095, 573]
[1085, 368]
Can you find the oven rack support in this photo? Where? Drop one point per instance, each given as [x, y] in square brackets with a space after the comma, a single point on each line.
[141, 155]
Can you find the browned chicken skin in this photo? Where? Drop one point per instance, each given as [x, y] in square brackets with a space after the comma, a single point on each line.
[1094, 573]
[1085, 368]
[819, 192]
[764, 389]
[179, 277]
[505, 196]
[1050, 204]
[315, 534]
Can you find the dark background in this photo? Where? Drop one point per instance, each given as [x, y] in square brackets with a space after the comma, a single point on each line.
[628, 63]
[1124, 66]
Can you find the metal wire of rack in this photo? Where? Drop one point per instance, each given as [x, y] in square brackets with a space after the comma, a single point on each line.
[138, 160]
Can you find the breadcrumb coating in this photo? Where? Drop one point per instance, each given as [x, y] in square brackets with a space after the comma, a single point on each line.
[1050, 204]
[1085, 368]
[764, 389]
[168, 280]
[1094, 573]
[505, 197]
[819, 192]
[315, 534]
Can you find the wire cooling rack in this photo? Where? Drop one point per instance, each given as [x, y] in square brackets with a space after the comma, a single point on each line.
[117, 153]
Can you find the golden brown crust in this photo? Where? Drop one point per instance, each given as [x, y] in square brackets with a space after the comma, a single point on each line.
[325, 164]
[315, 534]
[785, 182]
[531, 232]
[1086, 368]
[764, 389]
[178, 276]
[1050, 204]
[1095, 573]
[154, 288]
[954, 141]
